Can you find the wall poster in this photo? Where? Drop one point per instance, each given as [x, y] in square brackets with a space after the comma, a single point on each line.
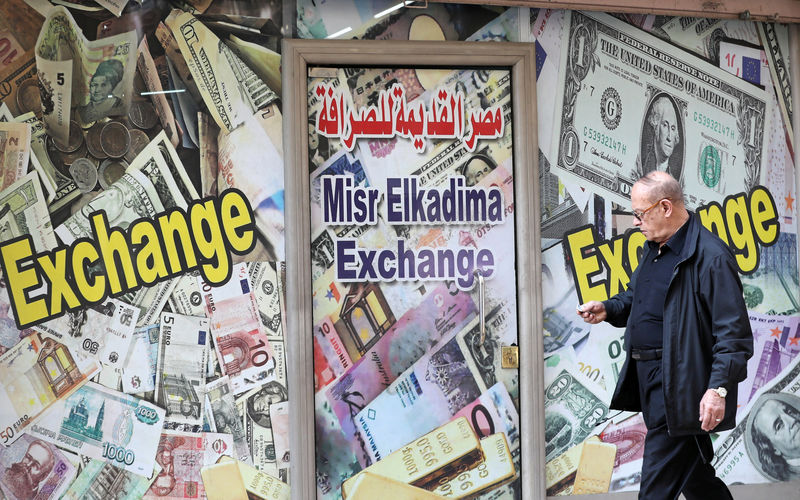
[415, 280]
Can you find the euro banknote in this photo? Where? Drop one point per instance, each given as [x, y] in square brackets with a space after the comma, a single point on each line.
[181, 369]
[37, 373]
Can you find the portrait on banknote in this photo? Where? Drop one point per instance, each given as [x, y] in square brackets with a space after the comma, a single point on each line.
[102, 87]
[24, 477]
[662, 129]
[771, 436]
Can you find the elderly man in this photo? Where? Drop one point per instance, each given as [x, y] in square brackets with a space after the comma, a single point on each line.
[687, 340]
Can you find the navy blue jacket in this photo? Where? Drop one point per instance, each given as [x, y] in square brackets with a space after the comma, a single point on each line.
[707, 336]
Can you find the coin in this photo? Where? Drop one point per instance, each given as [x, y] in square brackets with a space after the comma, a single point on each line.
[139, 140]
[115, 139]
[56, 157]
[142, 114]
[28, 97]
[84, 173]
[75, 138]
[110, 171]
[93, 141]
[69, 158]
[139, 87]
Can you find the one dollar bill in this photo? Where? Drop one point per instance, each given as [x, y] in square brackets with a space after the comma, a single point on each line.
[699, 123]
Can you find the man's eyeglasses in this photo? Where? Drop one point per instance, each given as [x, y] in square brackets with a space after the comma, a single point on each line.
[639, 215]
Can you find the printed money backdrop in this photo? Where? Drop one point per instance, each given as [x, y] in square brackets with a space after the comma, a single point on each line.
[142, 107]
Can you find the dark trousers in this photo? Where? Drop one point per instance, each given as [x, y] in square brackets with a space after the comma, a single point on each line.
[672, 465]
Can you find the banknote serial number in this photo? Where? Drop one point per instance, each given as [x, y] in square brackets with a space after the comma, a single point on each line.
[118, 453]
[603, 140]
[713, 125]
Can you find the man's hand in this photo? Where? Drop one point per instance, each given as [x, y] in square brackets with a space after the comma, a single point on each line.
[712, 410]
[592, 312]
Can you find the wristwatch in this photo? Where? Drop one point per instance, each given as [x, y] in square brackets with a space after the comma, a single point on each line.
[721, 391]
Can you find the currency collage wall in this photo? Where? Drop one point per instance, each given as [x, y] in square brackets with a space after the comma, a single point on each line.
[143, 308]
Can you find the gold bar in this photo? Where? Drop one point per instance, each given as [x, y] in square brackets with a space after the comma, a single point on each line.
[595, 468]
[427, 458]
[496, 469]
[259, 485]
[223, 482]
[369, 486]
[560, 472]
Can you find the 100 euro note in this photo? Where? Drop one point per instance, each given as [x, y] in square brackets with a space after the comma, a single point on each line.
[95, 77]
[106, 425]
[181, 370]
[181, 455]
[37, 373]
[415, 333]
[29, 456]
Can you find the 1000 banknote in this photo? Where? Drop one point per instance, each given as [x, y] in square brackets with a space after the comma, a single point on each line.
[699, 123]
[106, 425]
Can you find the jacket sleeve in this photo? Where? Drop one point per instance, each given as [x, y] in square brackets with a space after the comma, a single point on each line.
[618, 307]
[730, 324]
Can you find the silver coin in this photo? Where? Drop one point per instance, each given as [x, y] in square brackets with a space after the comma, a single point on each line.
[84, 173]
[143, 115]
[110, 171]
[115, 139]
[75, 139]
[139, 140]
